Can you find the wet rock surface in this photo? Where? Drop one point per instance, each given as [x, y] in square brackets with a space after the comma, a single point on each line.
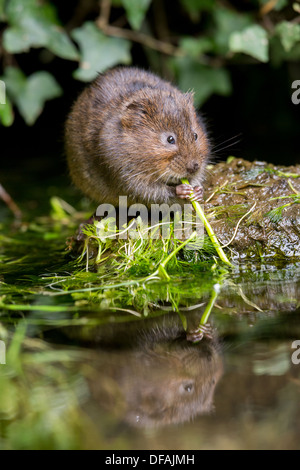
[271, 193]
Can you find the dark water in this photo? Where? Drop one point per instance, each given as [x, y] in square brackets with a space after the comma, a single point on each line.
[238, 390]
[100, 373]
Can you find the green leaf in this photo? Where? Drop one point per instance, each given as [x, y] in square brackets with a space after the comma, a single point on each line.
[252, 41]
[98, 52]
[195, 47]
[226, 21]
[14, 80]
[296, 7]
[136, 11]
[205, 81]
[280, 5]
[34, 26]
[2, 92]
[278, 54]
[195, 7]
[6, 113]
[20, 39]
[289, 34]
[2, 11]
[29, 94]
[60, 44]
[17, 10]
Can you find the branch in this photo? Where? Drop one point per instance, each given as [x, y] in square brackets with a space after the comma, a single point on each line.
[103, 23]
[10, 203]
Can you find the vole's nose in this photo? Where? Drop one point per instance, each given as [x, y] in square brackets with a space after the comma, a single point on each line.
[192, 167]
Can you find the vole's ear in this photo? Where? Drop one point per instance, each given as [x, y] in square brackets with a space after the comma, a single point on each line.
[130, 113]
[190, 97]
[135, 111]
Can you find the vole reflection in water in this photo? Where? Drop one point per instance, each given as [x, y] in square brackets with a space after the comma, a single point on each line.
[160, 378]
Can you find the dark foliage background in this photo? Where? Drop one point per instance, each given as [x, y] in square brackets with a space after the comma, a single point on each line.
[240, 57]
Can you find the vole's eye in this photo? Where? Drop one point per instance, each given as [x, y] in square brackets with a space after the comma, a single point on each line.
[195, 136]
[171, 139]
[188, 388]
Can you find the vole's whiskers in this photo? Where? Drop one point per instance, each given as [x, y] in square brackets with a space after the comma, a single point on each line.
[160, 177]
[218, 147]
[145, 171]
[134, 175]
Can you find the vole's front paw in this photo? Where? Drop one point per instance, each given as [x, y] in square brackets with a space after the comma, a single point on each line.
[184, 191]
[198, 193]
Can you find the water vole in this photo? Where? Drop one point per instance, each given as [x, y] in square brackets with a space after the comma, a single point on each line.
[132, 134]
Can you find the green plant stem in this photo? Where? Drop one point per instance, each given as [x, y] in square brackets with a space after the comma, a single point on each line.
[161, 271]
[174, 252]
[209, 229]
[38, 308]
[209, 306]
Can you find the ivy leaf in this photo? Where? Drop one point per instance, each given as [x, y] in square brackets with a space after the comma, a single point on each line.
[136, 11]
[30, 93]
[252, 41]
[226, 21]
[98, 52]
[14, 80]
[2, 12]
[18, 39]
[195, 7]
[33, 25]
[2, 92]
[204, 81]
[60, 44]
[278, 55]
[195, 47]
[289, 34]
[6, 113]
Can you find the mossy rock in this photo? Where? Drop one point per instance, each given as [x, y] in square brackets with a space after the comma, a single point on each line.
[272, 229]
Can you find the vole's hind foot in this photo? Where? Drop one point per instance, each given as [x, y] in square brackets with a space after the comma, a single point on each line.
[75, 244]
[80, 236]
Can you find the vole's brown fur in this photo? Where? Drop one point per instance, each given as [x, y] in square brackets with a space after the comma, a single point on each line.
[117, 139]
